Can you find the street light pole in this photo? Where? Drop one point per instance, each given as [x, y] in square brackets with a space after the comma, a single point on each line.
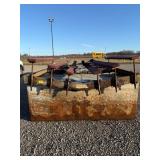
[51, 20]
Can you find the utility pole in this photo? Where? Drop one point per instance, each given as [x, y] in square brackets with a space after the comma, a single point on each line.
[50, 21]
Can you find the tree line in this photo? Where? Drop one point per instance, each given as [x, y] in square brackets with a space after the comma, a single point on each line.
[87, 54]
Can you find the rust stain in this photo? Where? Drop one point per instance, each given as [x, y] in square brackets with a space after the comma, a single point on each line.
[45, 107]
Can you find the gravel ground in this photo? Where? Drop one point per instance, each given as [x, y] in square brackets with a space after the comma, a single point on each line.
[79, 138]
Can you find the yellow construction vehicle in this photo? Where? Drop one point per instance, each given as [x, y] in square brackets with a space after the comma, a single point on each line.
[98, 55]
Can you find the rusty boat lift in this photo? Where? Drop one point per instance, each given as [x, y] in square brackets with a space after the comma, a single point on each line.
[116, 78]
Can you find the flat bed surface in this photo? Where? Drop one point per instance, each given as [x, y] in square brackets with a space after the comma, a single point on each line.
[105, 137]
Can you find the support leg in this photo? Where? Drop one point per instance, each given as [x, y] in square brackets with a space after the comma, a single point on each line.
[51, 79]
[86, 91]
[32, 77]
[115, 79]
[134, 69]
[99, 87]
[67, 86]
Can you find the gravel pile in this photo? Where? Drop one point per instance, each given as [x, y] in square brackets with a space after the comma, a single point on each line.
[77, 138]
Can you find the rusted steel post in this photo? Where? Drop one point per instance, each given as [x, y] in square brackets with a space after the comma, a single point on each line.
[99, 87]
[134, 69]
[31, 60]
[70, 71]
[32, 77]
[67, 86]
[115, 71]
[51, 76]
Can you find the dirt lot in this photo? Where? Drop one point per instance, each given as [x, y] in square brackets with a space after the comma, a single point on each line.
[107, 137]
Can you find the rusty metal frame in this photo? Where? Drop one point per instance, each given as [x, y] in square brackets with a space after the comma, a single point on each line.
[95, 67]
[129, 57]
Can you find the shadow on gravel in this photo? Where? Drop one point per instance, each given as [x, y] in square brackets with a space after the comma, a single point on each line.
[24, 106]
